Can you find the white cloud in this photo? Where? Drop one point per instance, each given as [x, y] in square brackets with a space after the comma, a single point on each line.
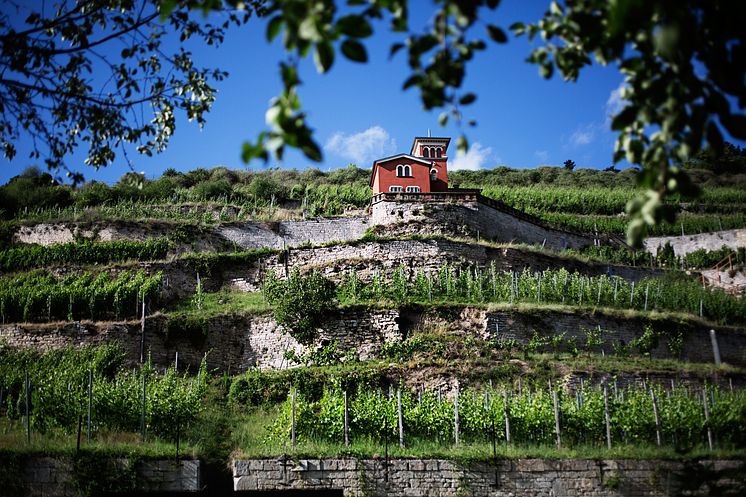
[541, 156]
[615, 102]
[361, 148]
[583, 135]
[473, 159]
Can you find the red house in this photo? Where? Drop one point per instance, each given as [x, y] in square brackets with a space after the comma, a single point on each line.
[422, 170]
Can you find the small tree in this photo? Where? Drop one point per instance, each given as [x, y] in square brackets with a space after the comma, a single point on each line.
[569, 164]
[301, 302]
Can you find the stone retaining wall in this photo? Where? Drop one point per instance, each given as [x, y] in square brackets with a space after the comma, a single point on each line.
[236, 343]
[53, 477]
[472, 218]
[505, 478]
[689, 243]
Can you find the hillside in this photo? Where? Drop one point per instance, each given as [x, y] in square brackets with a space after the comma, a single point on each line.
[257, 308]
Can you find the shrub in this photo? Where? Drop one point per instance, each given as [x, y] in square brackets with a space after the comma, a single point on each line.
[301, 302]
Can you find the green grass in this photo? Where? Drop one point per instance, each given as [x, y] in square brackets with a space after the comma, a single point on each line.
[106, 443]
[221, 302]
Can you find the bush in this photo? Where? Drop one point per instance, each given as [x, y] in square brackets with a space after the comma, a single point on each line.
[301, 302]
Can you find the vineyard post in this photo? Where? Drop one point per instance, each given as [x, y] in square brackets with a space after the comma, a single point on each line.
[455, 415]
[632, 295]
[600, 284]
[400, 418]
[582, 285]
[507, 417]
[27, 384]
[707, 417]
[657, 418]
[701, 307]
[429, 286]
[607, 418]
[292, 417]
[715, 347]
[556, 419]
[647, 289]
[347, 422]
[492, 273]
[142, 331]
[538, 288]
[144, 403]
[616, 286]
[354, 287]
[487, 401]
[90, 404]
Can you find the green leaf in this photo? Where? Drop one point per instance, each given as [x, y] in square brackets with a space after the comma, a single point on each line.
[273, 28]
[354, 26]
[497, 34]
[354, 50]
[395, 48]
[467, 99]
[518, 28]
[624, 118]
[443, 118]
[323, 56]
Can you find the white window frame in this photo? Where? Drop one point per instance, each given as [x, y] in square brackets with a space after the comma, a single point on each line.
[414, 189]
[395, 189]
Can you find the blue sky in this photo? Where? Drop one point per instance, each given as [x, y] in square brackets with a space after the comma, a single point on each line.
[360, 112]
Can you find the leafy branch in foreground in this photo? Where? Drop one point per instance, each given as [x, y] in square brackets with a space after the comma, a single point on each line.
[48, 91]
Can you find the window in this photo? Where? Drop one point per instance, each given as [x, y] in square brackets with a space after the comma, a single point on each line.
[403, 171]
[425, 152]
[413, 189]
[439, 152]
[433, 174]
[395, 189]
[400, 170]
[407, 171]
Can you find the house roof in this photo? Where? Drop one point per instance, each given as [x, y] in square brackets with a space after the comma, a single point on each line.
[431, 138]
[411, 158]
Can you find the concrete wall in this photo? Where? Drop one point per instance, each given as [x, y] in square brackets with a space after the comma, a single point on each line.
[504, 478]
[240, 342]
[53, 477]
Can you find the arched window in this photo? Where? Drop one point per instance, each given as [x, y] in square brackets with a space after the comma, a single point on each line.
[433, 174]
[407, 171]
[439, 152]
[425, 152]
[400, 170]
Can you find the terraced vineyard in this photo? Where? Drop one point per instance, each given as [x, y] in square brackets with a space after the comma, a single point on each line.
[194, 310]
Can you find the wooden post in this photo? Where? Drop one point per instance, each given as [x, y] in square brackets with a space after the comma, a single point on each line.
[347, 422]
[657, 418]
[632, 295]
[144, 400]
[715, 347]
[616, 286]
[507, 417]
[607, 418]
[707, 417]
[27, 385]
[556, 419]
[292, 418]
[455, 415]
[142, 332]
[701, 307]
[90, 403]
[647, 289]
[400, 418]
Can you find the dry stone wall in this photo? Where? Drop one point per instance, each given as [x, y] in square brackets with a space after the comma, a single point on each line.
[53, 477]
[239, 342]
[474, 217]
[503, 478]
[689, 243]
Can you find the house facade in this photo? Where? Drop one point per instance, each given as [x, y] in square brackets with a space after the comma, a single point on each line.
[423, 170]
